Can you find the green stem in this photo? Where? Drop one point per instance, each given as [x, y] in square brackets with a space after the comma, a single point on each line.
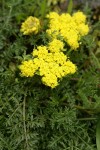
[8, 18]
[24, 123]
[87, 119]
[15, 111]
[82, 140]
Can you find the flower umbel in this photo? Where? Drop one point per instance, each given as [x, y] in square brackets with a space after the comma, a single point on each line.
[30, 25]
[70, 28]
[50, 63]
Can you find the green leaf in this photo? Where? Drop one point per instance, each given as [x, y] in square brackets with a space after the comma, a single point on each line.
[98, 135]
[95, 60]
[43, 8]
[70, 6]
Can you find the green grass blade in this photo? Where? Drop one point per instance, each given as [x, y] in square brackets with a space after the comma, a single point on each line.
[70, 6]
[43, 8]
[98, 135]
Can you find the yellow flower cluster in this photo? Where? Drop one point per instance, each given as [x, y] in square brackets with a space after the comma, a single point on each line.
[28, 68]
[30, 25]
[51, 63]
[71, 28]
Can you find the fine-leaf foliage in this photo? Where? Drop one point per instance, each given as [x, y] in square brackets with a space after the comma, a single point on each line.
[40, 118]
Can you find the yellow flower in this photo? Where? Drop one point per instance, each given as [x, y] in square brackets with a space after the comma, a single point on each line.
[59, 58]
[55, 45]
[79, 17]
[28, 68]
[50, 80]
[53, 15]
[65, 18]
[72, 39]
[31, 25]
[70, 67]
[40, 52]
[83, 29]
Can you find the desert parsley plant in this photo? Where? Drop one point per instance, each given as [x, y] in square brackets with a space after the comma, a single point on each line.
[49, 61]
[49, 77]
